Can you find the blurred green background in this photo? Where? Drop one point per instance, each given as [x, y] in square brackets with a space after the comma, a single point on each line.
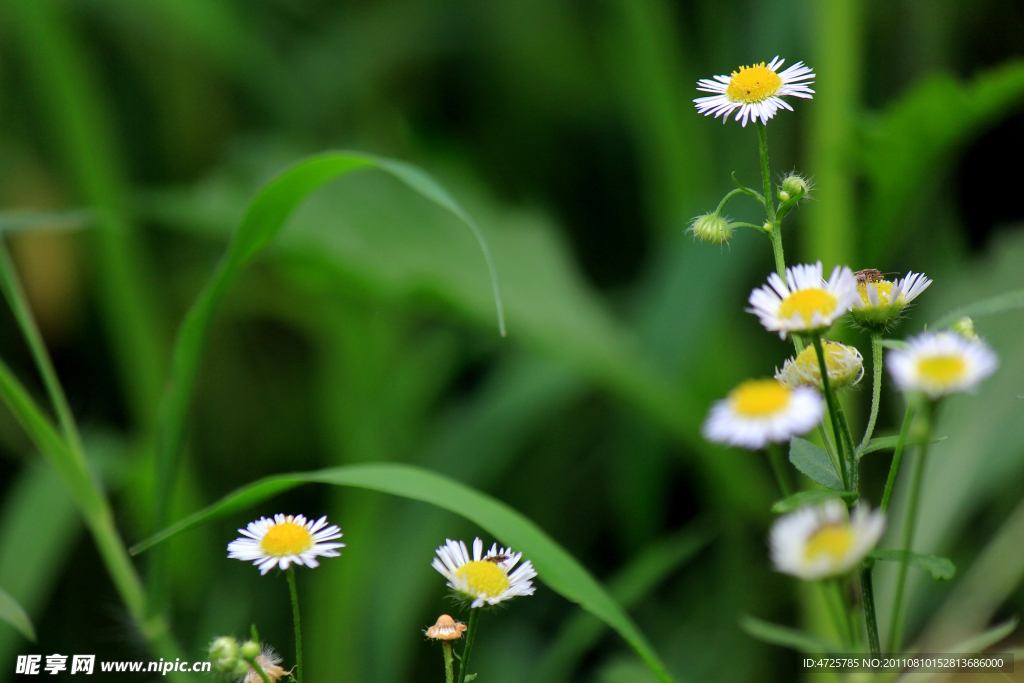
[566, 129]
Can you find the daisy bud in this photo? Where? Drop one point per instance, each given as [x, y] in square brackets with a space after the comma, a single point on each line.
[844, 363]
[224, 654]
[965, 328]
[250, 649]
[711, 228]
[794, 187]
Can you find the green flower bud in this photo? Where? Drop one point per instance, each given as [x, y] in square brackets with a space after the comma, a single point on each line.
[844, 363]
[250, 649]
[794, 186]
[711, 228]
[965, 328]
[241, 669]
[224, 654]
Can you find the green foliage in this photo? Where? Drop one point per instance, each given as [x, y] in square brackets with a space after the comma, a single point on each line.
[813, 497]
[815, 463]
[13, 614]
[786, 637]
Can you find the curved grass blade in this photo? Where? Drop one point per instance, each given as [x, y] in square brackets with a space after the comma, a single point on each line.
[884, 443]
[786, 637]
[557, 568]
[263, 220]
[13, 614]
[940, 568]
[1001, 303]
[42, 221]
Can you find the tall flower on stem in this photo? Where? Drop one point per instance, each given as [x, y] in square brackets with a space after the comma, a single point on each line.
[482, 579]
[804, 302]
[756, 91]
[284, 541]
[446, 630]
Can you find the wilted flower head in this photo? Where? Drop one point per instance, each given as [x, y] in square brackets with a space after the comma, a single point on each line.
[844, 363]
[446, 628]
[269, 662]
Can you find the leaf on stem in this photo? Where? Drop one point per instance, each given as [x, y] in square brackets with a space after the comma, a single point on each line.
[883, 443]
[803, 498]
[787, 637]
[815, 463]
[746, 190]
[13, 614]
[940, 568]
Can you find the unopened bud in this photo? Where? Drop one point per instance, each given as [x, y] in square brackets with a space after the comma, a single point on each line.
[711, 228]
[794, 186]
[224, 654]
[250, 649]
[965, 328]
[844, 363]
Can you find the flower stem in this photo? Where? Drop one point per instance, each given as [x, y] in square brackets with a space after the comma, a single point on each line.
[830, 401]
[847, 437]
[769, 202]
[836, 612]
[778, 462]
[909, 526]
[868, 596]
[258, 669]
[447, 647]
[474, 617]
[290, 572]
[901, 442]
[876, 390]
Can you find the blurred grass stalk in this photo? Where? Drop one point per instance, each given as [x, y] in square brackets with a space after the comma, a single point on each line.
[829, 232]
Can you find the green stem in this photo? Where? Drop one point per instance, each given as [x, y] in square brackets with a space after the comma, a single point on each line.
[769, 202]
[298, 628]
[258, 669]
[830, 401]
[448, 659]
[836, 612]
[876, 390]
[847, 438]
[474, 617]
[909, 526]
[901, 442]
[778, 461]
[868, 596]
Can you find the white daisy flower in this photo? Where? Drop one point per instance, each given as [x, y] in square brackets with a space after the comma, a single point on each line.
[284, 540]
[757, 91]
[941, 363]
[483, 579]
[844, 363]
[760, 411]
[881, 302]
[806, 302]
[820, 541]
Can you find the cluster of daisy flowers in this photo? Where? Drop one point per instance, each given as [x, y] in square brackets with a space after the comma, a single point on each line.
[478, 579]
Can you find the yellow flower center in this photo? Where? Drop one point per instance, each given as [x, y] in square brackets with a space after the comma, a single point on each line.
[942, 370]
[831, 540]
[753, 84]
[882, 287]
[286, 539]
[759, 397]
[807, 302]
[484, 578]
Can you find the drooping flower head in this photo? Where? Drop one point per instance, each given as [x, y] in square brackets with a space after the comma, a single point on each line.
[484, 579]
[446, 628]
[270, 662]
[941, 363]
[818, 541]
[880, 303]
[757, 91]
[284, 540]
[844, 363]
[760, 411]
[806, 303]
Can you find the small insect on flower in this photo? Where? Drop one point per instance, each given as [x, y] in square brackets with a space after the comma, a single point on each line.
[941, 363]
[484, 579]
[757, 91]
[446, 628]
[820, 541]
[284, 540]
[804, 302]
[761, 411]
[880, 303]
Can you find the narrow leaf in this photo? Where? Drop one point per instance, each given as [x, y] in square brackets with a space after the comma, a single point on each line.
[988, 638]
[815, 463]
[13, 614]
[799, 500]
[31, 221]
[1001, 303]
[883, 443]
[940, 568]
[555, 566]
[897, 344]
[786, 637]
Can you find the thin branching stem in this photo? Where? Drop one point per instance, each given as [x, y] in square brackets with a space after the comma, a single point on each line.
[290, 572]
[897, 455]
[474, 619]
[830, 401]
[868, 596]
[778, 462]
[876, 390]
